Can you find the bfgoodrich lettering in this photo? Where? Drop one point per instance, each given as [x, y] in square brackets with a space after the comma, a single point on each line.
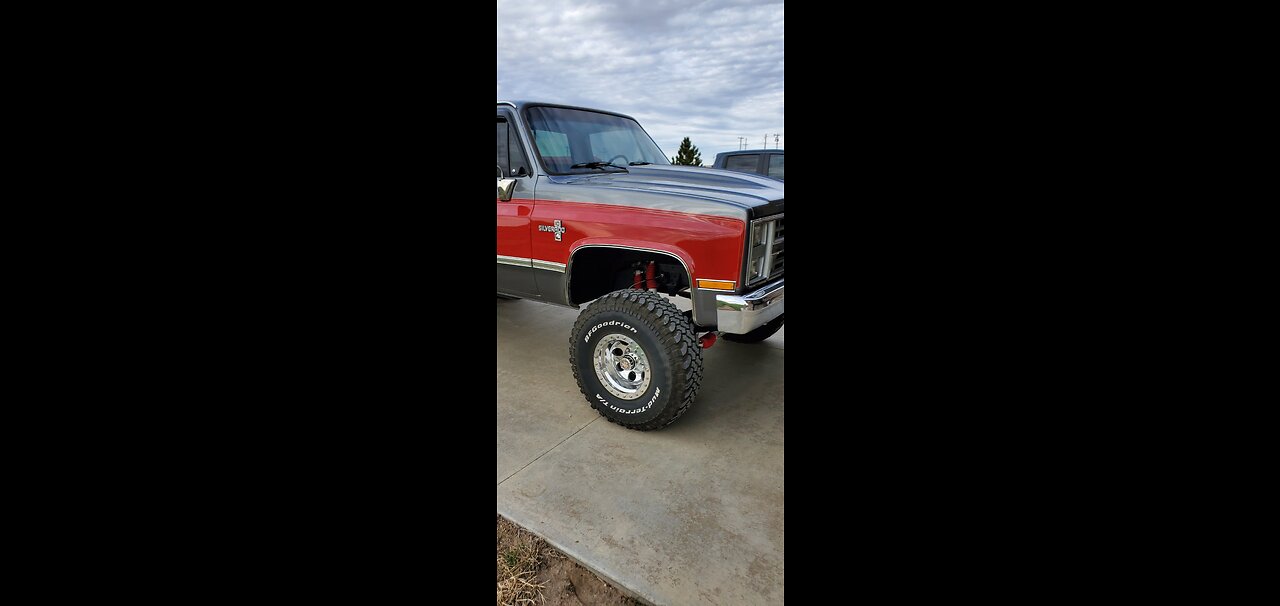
[603, 324]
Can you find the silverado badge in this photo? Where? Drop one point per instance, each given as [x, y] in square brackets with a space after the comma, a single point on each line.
[557, 229]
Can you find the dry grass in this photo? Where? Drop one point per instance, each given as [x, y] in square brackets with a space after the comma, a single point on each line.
[520, 556]
[532, 572]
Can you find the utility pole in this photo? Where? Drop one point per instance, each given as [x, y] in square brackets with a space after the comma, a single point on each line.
[765, 145]
[742, 142]
[775, 140]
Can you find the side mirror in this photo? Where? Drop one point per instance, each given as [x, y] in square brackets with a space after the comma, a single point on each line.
[506, 187]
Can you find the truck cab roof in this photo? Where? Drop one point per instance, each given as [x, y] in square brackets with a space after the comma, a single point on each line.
[521, 104]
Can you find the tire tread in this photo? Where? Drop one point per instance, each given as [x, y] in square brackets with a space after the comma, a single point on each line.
[679, 341]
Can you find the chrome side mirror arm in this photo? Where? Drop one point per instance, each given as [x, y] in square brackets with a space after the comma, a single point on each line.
[506, 187]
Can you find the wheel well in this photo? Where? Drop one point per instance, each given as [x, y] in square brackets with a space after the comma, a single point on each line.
[597, 271]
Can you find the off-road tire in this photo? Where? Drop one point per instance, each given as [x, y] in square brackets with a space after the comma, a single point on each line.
[759, 334]
[670, 347]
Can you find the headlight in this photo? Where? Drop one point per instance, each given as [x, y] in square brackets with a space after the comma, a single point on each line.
[764, 248]
[760, 234]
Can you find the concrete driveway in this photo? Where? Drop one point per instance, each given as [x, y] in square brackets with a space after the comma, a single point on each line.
[690, 514]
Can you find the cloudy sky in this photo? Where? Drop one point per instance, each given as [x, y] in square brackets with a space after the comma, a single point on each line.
[709, 70]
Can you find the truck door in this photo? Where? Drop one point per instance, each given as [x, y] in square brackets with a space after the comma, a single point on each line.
[515, 268]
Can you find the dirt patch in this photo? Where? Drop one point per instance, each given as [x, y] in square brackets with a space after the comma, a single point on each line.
[532, 572]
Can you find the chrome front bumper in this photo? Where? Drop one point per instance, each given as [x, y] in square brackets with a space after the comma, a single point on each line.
[740, 314]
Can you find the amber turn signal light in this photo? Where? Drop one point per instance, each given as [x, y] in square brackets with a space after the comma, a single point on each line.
[715, 284]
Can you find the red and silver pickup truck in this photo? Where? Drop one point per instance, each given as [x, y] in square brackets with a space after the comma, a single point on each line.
[591, 211]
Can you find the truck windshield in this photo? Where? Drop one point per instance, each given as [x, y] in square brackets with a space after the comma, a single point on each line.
[567, 137]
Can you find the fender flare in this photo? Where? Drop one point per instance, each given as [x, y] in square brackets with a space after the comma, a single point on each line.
[675, 252]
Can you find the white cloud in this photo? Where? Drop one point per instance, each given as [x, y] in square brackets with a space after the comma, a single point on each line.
[710, 70]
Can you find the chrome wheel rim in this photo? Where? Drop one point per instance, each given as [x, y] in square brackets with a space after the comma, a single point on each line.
[622, 366]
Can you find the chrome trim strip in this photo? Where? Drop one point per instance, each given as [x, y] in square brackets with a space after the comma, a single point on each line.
[534, 263]
[517, 261]
[548, 265]
[740, 314]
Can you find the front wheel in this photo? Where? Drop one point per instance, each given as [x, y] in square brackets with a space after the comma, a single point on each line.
[636, 358]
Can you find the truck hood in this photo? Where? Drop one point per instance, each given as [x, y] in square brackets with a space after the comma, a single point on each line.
[754, 194]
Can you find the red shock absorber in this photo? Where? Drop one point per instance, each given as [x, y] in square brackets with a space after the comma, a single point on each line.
[648, 276]
[639, 283]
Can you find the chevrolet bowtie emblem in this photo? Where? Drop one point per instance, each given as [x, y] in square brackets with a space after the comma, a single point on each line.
[557, 229]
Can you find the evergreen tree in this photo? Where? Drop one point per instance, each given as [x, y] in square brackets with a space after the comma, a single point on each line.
[688, 154]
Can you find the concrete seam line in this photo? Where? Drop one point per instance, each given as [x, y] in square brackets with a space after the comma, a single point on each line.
[535, 459]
